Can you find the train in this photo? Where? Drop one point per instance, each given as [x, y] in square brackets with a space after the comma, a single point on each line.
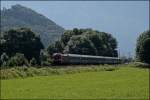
[59, 58]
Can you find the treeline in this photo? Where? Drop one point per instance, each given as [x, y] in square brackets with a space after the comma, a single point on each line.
[87, 42]
[21, 47]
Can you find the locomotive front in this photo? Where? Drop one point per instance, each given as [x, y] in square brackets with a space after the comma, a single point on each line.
[57, 58]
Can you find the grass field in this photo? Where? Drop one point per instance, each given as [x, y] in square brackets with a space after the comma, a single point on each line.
[123, 83]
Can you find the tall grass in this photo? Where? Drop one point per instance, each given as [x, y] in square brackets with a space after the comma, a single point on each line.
[22, 72]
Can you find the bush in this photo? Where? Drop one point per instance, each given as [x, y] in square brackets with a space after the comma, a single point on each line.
[33, 62]
[125, 59]
[18, 60]
[3, 60]
[46, 63]
[45, 59]
[141, 65]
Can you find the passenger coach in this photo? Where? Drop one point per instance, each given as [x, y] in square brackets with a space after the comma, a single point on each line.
[59, 58]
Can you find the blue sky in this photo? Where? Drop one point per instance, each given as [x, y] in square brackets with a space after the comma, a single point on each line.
[124, 19]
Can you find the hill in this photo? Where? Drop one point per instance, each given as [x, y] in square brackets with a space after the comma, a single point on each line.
[19, 16]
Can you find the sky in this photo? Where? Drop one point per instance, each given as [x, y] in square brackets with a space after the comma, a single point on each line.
[125, 20]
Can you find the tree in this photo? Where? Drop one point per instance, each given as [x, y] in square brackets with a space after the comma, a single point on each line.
[66, 36]
[23, 41]
[59, 46]
[86, 41]
[109, 44]
[80, 45]
[51, 49]
[143, 47]
[55, 48]
[2, 41]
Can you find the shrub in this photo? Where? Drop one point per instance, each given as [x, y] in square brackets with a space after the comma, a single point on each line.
[45, 58]
[3, 60]
[141, 65]
[125, 59]
[18, 60]
[33, 62]
[46, 63]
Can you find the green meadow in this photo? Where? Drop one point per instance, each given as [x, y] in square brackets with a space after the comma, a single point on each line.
[122, 83]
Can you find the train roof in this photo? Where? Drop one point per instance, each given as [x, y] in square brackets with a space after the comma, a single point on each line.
[89, 56]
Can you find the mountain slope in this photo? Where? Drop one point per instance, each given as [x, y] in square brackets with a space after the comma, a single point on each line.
[19, 16]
